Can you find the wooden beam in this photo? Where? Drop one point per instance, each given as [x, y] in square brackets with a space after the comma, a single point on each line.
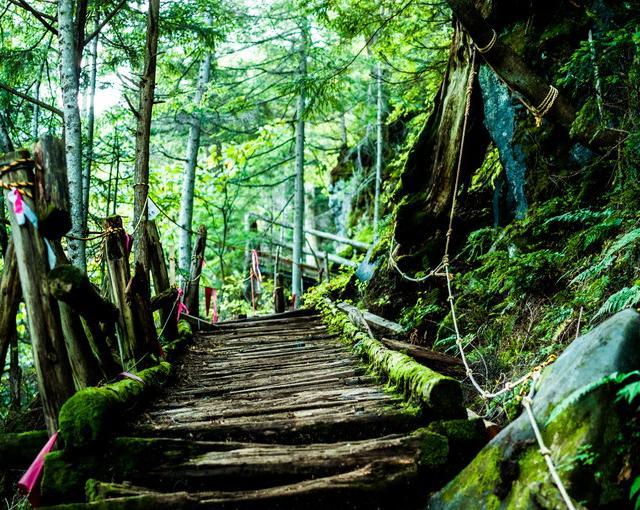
[9, 301]
[319, 233]
[366, 319]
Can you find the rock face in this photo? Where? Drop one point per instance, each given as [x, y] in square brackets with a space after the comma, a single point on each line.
[585, 427]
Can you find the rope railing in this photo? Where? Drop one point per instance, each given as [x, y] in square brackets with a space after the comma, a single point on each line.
[532, 375]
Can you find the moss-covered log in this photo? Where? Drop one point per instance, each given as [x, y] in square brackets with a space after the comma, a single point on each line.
[18, 450]
[166, 297]
[439, 396]
[94, 414]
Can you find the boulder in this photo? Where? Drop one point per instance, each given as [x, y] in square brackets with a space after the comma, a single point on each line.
[588, 430]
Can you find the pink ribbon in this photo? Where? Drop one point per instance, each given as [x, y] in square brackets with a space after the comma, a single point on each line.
[15, 197]
[214, 316]
[129, 375]
[29, 484]
[128, 243]
[182, 308]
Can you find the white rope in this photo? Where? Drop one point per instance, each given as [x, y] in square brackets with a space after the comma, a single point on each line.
[509, 386]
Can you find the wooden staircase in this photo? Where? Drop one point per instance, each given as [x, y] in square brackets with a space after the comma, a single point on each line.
[274, 412]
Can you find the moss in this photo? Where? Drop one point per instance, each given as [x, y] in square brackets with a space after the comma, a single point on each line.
[437, 395]
[18, 450]
[185, 335]
[96, 413]
[434, 449]
[64, 476]
[476, 483]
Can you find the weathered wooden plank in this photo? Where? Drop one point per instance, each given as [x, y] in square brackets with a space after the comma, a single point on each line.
[161, 282]
[363, 318]
[448, 365]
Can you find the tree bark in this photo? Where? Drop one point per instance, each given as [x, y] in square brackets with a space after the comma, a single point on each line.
[511, 68]
[86, 177]
[9, 301]
[15, 375]
[55, 384]
[161, 281]
[379, 148]
[143, 134]
[69, 78]
[189, 178]
[298, 227]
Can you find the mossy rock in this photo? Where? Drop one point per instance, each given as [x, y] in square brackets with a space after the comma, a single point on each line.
[589, 432]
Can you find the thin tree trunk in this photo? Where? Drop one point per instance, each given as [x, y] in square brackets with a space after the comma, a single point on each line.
[86, 177]
[35, 120]
[189, 178]
[143, 134]
[15, 375]
[379, 149]
[298, 230]
[69, 78]
[5, 146]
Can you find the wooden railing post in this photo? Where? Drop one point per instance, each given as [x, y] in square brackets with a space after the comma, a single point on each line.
[55, 383]
[161, 284]
[54, 221]
[279, 304]
[118, 269]
[192, 289]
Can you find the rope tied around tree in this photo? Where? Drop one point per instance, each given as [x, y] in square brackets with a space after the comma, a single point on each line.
[490, 44]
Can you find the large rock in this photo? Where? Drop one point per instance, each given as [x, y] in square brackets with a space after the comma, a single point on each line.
[587, 429]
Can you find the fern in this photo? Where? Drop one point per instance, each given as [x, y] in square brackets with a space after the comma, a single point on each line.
[609, 256]
[624, 298]
[580, 216]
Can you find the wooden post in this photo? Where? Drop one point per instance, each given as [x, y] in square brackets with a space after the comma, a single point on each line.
[279, 304]
[137, 300]
[118, 268]
[326, 266]
[9, 301]
[192, 290]
[55, 384]
[161, 284]
[72, 288]
[54, 220]
[51, 188]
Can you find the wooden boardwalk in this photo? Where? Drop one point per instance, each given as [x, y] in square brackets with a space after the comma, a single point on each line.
[278, 413]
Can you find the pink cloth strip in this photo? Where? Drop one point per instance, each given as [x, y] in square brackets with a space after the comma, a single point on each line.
[29, 484]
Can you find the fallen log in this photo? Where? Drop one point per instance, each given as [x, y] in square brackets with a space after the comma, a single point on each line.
[371, 321]
[438, 361]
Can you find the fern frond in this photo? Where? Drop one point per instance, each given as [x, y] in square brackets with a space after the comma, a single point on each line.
[624, 298]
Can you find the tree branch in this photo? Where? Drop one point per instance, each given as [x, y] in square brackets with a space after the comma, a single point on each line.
[30, 99]
[40, 16]
[104, 22]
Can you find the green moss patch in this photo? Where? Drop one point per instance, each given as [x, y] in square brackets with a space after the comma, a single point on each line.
[18, 450]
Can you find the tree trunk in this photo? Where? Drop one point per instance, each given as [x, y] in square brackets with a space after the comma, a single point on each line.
[298, 227]
[5, 146]
[86, 177]
[55, 384]
[379, 149]
[69, 78]
[9, 301]
[515, 72]
[188, 182]
[143, 134]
